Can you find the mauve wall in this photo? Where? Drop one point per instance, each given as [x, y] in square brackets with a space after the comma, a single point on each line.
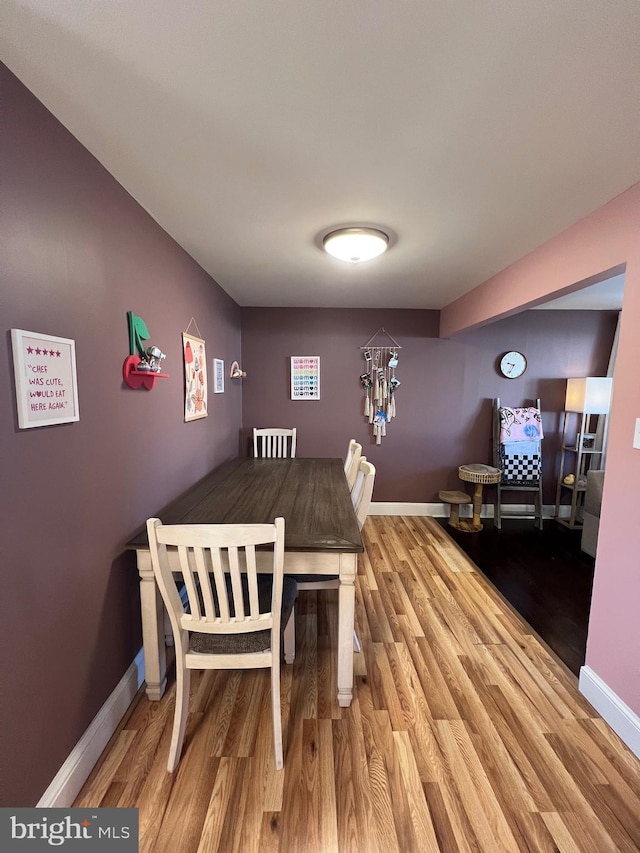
[77, 254]
[444, 404]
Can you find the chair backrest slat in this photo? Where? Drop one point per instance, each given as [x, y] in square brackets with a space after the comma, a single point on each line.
[236, 583]
[185, 557]
[272, 443]
[252, 582]
[219, 583]
[202, 566]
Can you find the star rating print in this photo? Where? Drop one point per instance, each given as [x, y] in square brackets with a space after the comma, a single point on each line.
[45, 352]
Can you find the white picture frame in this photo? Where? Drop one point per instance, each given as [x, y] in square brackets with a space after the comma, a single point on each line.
[44, 367]
[218, 376]
[305, 377]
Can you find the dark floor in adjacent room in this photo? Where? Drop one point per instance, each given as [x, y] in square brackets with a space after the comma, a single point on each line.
[543, 574]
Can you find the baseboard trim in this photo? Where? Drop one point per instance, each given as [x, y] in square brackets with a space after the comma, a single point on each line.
[76, 769]
[618, 715]
[440, 510]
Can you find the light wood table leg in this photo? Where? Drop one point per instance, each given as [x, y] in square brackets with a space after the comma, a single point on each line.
[346, 618]
[152, 608]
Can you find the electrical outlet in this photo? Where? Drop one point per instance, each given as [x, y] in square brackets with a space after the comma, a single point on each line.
[636, 435]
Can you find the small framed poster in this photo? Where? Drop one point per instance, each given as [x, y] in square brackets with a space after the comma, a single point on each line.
[46, 381]
[218, 376]
[305, 377]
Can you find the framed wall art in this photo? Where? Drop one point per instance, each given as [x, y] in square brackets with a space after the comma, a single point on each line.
[195, 378]
[305, 377]
[218, 376]
[46, 382]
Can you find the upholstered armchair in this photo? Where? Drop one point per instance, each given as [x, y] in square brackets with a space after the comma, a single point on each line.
[592, 502]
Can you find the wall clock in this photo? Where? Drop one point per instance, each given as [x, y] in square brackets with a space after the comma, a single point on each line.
[513, 364]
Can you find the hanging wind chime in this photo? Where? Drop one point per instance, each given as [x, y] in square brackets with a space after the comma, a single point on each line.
[379, 383]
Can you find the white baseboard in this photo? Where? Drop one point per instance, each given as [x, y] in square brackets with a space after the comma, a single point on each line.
[440, 510]
[380, 508]
[76, 769]
[624, 722]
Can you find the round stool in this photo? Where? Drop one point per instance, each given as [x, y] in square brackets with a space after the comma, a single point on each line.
[480, 475]
[454, 499]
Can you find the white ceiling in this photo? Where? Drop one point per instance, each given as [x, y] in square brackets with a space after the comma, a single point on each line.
[604, 296]
[470, 131]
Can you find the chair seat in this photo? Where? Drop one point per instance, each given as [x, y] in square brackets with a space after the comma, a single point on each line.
[256, 641]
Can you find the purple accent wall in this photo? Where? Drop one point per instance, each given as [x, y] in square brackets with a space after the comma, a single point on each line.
[78, 253]
[444, 403]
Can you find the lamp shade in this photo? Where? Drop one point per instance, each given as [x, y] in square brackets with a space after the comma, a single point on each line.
[591, 395]
[355, 244]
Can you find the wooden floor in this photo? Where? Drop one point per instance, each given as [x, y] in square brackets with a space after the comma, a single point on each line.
[465, 732]
[544, 574]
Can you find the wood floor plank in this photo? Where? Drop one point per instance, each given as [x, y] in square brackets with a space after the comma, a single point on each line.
[177, 834]
[269, 840]
[328, 829]
[628, 789]
[423, 831]
[242, 725]
[474, 788]
[96, 787]
[305, 667]
[222, 806]
[466, 732]
[347, 822]
[511, 774]
[434, 687]
[623, 825]
[378, 738]
[222, 708]
[560, 833]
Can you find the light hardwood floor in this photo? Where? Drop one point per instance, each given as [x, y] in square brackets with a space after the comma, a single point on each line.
[465, 732]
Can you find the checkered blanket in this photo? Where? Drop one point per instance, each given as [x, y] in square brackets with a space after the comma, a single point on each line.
[520, 462]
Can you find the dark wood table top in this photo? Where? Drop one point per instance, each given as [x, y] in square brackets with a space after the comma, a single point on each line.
[311, 495]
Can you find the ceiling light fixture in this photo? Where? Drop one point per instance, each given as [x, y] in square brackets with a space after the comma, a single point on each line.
[356, 244]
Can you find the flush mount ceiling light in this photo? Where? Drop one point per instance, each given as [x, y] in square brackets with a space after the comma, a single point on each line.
[356, 244]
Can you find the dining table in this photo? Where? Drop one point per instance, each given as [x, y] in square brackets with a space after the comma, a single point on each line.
[322, 537]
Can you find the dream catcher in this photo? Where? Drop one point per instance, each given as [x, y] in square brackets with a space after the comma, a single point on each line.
[379, 382]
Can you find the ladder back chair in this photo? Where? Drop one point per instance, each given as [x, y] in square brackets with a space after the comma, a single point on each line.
[362, 490]
[352, 461]
[361, 494]
[274, 443]
[234, 616]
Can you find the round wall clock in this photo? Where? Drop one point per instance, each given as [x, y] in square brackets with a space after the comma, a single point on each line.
[513, 364]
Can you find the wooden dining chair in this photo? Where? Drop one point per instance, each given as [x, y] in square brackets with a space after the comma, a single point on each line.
[361, 494]
[351, 462]
[362, 490]
[274, 443]
[234, 616]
